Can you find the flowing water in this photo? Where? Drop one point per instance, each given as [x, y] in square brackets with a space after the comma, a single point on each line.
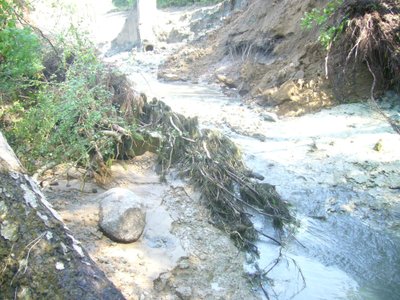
[346, 244]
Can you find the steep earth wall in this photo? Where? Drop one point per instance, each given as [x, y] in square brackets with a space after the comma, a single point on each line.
[265, 54]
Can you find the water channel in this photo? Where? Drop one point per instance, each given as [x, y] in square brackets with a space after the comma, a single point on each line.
[344, 246]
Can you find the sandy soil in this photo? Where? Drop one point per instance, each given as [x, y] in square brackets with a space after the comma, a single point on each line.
[180, 254]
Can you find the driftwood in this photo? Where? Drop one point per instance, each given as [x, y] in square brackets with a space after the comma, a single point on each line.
[39, 257]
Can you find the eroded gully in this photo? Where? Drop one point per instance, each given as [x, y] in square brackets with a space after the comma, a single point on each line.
[344, 193]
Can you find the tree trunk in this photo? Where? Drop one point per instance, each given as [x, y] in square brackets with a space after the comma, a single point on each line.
[39, 257]
[129, 37]
[138, 30]
[147, 13]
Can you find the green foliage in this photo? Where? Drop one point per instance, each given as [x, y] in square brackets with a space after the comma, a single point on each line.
[319, 18]
[57, 120]
[20, 58]
[124, 3]
[168, 3]
[164, 3]
[8, 8]
[66, 123]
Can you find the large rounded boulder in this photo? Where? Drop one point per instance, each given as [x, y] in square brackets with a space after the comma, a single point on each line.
[122, 217]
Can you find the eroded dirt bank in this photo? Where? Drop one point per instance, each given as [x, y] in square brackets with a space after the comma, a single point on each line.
[263, 52]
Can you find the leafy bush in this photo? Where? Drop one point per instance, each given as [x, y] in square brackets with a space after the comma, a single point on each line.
[68, 119]
[20, 58]
[8, 8]
[82, 113]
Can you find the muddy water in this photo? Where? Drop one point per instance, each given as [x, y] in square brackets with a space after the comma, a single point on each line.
[346, 244]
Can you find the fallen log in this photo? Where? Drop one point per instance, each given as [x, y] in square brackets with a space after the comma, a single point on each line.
[39, 257]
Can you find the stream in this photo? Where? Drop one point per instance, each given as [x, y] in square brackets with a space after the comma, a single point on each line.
[344, 194]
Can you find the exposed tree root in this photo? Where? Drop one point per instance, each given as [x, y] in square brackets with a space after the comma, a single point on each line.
[376, 106]
[371, 37]
[260, 277]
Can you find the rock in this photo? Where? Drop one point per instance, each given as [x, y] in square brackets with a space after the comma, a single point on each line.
[288, 91]
[76, 173]
[270, 117]
[160, 283]
[259, 136]
[378, 146]
[229, 82]
[177, 36]
[184, 263]
[184, 292]
[122, 218]
[170, 77]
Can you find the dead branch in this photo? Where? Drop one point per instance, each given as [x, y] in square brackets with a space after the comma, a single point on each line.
[112, 134]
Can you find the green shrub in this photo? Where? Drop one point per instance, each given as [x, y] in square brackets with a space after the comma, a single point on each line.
[67, 120]
[320, 18]
[7, 13]
[20, 58]
[85, 117]
[124, 3]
